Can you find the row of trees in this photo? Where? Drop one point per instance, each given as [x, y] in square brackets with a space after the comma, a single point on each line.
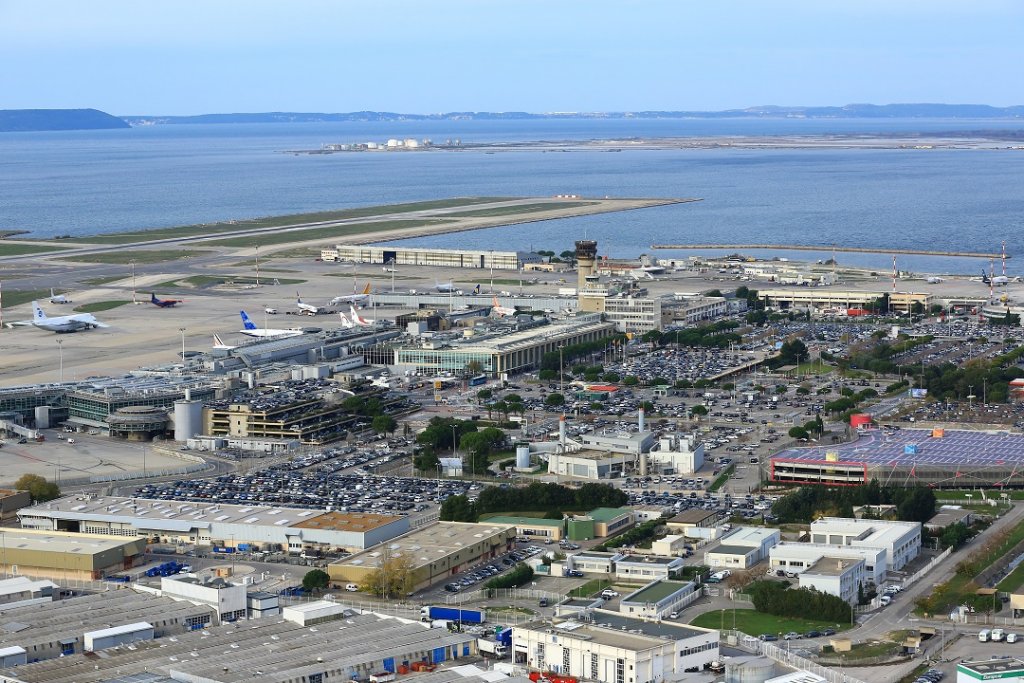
[775, 597]
[476, 445]
[519, 575]
[915, 504]
[716, 335]
[536, 497]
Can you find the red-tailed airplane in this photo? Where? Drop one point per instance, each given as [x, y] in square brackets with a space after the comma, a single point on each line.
[164, 303]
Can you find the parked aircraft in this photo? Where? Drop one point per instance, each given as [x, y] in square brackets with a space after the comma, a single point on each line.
[353, 298]
[164, 303]
[933, 280]
[62, 323]
[250, 329]
[307, 309]
[58, 298]
[345, 322]
[446, 288]
[503, 311]
[998, 280]
[357, 319]
[220, 345]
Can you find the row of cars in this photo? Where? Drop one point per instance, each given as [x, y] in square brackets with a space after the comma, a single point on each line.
[487, 571]
[793, 635]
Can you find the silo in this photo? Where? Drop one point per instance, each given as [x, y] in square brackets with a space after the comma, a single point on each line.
[522, 457]
[188, 419]
[749, 670]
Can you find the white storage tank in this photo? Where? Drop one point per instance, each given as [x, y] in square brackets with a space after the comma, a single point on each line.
[188, 419]
[749, 669]
[522, 457]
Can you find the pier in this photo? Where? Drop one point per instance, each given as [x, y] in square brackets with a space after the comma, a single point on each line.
[823, 247]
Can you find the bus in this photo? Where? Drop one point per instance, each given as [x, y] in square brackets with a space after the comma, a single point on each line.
[478, 380]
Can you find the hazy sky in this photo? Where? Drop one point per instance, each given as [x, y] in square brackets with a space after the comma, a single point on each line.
[191, 56]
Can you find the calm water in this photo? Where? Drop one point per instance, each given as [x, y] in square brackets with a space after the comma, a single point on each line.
[91, 181]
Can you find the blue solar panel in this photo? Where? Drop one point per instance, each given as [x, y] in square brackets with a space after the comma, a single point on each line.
[879, 447]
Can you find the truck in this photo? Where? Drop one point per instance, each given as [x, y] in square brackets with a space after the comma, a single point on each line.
[465, 616]
[492, 648]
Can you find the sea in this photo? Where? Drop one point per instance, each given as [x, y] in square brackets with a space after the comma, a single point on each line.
[85, 182]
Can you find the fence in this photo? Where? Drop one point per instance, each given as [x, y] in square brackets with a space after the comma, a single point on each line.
[504, 594]
[928, 567]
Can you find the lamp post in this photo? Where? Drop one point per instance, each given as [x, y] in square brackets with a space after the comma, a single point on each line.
[257, 265]
[182, 330]
[561, 376]
[60, 352]
[490, 263]
[392, 275]
[134, 300]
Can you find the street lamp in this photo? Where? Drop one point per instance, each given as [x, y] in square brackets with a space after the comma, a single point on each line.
[561, 376]
[490, 263]
[257, 265]
[182, 330]
[134, 300]
[60, 351]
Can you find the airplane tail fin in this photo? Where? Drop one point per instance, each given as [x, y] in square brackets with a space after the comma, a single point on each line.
[152, 297]
[246, 322]
[298, 298]
[52, 295]
[476, 290]
[366, 289]
[345, 322]
[217, 341]
[37, 312]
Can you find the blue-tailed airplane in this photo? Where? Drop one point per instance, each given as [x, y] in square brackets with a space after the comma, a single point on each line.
[249, 328]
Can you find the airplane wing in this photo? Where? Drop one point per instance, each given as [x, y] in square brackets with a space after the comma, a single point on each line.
[19, 323]
[97, 323]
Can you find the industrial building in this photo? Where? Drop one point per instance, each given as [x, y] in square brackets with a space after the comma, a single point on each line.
[647, 567]
[65, 556]
[743, 548]
[612, 648]
[11, 501]
[794, 558]
[1003, 669]
[823, 298]
[593, 562]
[431, 553]
[659, 598]
[19, 591]
[350, 647]
[842, 577]
[228, 599]
[534, 528]
[184, 523]
[60, 628]
[900, 540]
[695, 518]
[949, 515]
[505, 350]
[674, 454]
[592, 465]
[397, 256]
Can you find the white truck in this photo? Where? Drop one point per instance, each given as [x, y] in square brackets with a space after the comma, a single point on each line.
[492, 648]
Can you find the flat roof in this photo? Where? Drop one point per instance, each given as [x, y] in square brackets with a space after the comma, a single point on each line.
[429, 543]
[751, 534]
[650, 559]
[120, 630]
[988, 667]
[356, 522]
[732, 550]
[618, 630]
[658, 591]
[830, 565]
[693, 516]
[607, 514]
[520, 521]
[68, 542]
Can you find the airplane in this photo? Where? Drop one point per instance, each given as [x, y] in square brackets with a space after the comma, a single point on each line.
[640, 273]
[503, 311]
[446, 288]
[345, 322]
[353, 298]
[997, 280]
[250, 329]
[307, 309]
[61, 324]
[58, 298]
[164, 303]
[218, 344]
[933, 280]
[357, 319]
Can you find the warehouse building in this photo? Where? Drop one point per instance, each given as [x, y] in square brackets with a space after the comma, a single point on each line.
[19, 591]
[424, 256]
[274, 651]
[694, 518]
[593, 562]
[58, 629]
[659, 598]
[612, 648]
[228, 599]
[647, 567]
[432, 553]
[900, 540]
[256, 526]
[534, 528]
[743, 548]
[66, 556]
[794, 558]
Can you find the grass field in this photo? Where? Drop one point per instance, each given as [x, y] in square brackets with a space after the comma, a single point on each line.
[755, 623]
[331, 232]
[106, 279]
[97, 306]
[1013, 580]
[126, 257]
[15, 297]
[590, 588]
[518, 209]
[282, 221]
[200, 281]
[14, 249]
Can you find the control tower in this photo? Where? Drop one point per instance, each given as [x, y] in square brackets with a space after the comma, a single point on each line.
[588, 297]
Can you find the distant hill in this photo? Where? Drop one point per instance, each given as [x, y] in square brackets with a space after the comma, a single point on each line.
[910, 111]
[23, 120]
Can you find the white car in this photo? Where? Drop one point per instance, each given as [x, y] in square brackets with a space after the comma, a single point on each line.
[351, 587]
[1012, 637]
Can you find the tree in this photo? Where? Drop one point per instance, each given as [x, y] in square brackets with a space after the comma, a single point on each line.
[315, 580]
[384, 424]
[484, 394]
[554, 400]
[799, 433]
[547, 374]
[427, 461]
[631, 381]
[699, 411]
[458, 509]
[392, 578]
[37, 487]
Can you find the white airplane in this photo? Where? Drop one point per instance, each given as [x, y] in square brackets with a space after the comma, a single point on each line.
[219, 344]
[446, 288]
[345, 322]
[503, 311]
[249, 329]
[640, 274]
[60, 324]
[353, 298]
[307, 309]
[357, 319]
[58, 298]
[933, 280]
